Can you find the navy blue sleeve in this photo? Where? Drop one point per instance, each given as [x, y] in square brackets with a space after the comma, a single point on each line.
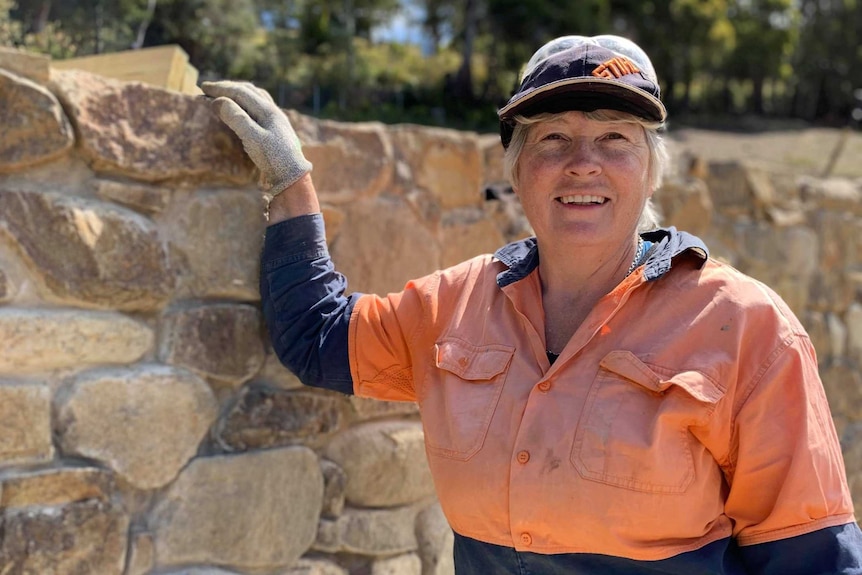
[304, 305]
[830, 551]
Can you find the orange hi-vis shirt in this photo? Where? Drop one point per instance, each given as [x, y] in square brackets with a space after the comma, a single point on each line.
[684, 410]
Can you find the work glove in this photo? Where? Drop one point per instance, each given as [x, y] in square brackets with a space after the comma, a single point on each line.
[265, 132]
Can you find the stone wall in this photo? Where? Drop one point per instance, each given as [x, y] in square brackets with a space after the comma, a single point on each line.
[145, 426]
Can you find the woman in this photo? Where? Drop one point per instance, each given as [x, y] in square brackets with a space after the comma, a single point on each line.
[594, 399]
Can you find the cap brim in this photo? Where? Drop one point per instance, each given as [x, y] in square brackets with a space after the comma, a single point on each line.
[585, 95]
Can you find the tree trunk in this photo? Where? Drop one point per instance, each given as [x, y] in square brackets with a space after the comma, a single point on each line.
[463, 85]
[145, 23]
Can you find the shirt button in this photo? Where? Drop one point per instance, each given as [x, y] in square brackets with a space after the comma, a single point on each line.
[544, 386]
[523, 456]
[526, 539]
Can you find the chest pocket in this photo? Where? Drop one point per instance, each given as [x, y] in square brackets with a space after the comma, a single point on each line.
[634, 430]
[461, 395]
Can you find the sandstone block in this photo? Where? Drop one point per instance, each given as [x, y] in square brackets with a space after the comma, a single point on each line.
[492, 155]
[218, 237]
[147, 199]
[374, 532]
[33, 66]
[25, 413]
[350, 160]
[334, 482]
[219, 340]
[315, 567]
[89, 253]
[264, 417]
[43, 339]
[382, 245]
[762, 246]
[686, 204]
[447, 163]
[385, 463]
[83, 537]
[407, 564]
[59, 486]
[436, 540]
[145, 423]
[467, 233]
[142, 554]
[854, 331]
[35, 129]
[147, 133]
[836, 194]
[843, 385]
[7, 290]
[251, 511]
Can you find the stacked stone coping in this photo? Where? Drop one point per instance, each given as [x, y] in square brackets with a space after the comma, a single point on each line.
[147, 426]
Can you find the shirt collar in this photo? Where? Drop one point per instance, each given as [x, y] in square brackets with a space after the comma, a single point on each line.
[522, 257]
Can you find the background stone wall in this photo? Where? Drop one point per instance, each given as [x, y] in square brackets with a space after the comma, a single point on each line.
[145, 426]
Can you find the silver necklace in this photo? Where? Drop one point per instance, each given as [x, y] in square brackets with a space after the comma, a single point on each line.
[638, 255]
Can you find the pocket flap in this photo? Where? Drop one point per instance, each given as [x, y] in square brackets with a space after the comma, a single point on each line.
[694, 383]
[472, 362]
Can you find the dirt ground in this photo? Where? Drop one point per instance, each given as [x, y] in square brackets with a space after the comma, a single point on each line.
[806, 151]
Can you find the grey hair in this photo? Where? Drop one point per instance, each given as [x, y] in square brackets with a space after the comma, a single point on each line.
[659, 159]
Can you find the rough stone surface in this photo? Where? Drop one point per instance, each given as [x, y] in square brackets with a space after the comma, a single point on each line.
[315, 567]
[375, 532]
[89, 253]
[25, 424]
[43, 339]
[35, 129]
[200, 571]
[218, 237]
[86, 537]
[264, 417]
[685, 202]
[148, 133]
[837, 194]
[55, 486]
[762, 246]
[6, 289]
[334, 482]
[843, 387]
[147, 199]
[832, 288]
[407, 564]
[142, 554]
[349, 162]
[854, 331]
[35, 67]
[447, 163]
[468, 233]
[435, 540]
[385, 463]
[365, 240]
[219, 340]
[251, 511]
[144, 423]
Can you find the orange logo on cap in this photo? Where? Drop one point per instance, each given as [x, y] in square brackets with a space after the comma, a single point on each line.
[615, 68]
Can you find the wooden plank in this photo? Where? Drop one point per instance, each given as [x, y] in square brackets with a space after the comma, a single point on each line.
[163, 66]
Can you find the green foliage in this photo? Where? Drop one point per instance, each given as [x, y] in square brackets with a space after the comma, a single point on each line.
[780, 57]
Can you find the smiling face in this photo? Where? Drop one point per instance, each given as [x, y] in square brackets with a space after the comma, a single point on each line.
[582, 181]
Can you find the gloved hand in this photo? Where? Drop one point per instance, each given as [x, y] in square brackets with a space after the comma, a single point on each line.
[266, 133]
